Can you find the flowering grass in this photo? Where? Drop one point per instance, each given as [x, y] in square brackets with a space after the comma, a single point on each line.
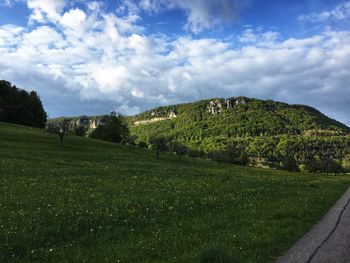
[93, 201]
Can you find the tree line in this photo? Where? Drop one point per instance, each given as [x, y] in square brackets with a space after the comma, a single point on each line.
[113, 128]
[21, 107]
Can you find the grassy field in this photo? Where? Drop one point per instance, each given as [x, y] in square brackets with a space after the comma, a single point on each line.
[93, 201]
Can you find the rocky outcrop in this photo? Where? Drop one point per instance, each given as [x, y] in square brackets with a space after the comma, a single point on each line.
[216, 106]
[171, 115]
[86, 122]
[93, 123]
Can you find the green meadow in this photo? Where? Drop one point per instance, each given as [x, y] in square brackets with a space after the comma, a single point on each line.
[93, 201]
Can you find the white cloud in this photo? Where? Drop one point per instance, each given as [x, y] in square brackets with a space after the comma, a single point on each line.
[340, 12]
[73, 19]
[10, 35]
[94, 6]
[45, 10]
[104, 57]
[206, 14]
[258, 37]
[200, 14]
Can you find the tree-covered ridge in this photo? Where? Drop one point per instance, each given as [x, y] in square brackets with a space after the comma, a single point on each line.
[254, 132]
[238, 117]
[20, 107]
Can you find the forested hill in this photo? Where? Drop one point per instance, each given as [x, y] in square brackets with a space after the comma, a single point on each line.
[250, 131]
[235, 117]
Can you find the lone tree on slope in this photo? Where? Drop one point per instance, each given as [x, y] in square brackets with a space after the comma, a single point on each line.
[159, 143]
[60, 127]
[178, 148]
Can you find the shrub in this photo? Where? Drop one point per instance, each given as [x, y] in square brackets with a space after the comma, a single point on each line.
[142, 144]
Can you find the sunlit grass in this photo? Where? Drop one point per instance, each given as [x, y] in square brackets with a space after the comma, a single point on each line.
[93, 201]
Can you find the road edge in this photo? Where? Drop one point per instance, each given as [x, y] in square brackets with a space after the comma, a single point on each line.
[307, 246]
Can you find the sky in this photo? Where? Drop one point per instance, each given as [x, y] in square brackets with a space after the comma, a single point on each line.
[92, 57]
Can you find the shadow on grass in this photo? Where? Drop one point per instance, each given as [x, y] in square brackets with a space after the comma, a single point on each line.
[214, 255]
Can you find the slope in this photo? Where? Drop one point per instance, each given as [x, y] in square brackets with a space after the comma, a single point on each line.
[237, 117]
[93, 201]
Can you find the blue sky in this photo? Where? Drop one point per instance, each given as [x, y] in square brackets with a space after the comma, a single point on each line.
[91, 57]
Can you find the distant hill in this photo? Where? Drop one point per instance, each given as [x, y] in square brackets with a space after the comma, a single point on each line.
[246, 131]
[234, 117]
[250, 131]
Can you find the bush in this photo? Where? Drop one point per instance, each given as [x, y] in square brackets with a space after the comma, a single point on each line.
[142, 144]
[80, 130]
[178, 148]
[289, 164]
[346, 163]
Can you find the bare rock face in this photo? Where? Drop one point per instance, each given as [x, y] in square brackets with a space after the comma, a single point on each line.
[241, 101]
[155, 118]
[93, 123]
[228, 104]
[89, 123]
[214, 106]
[172, 114]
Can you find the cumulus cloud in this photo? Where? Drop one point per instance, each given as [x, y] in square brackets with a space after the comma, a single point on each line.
[206, 14]
[200, 14]
[104, 60]
[340, 12]
[45, 10]
[10, 35]
[258, 37]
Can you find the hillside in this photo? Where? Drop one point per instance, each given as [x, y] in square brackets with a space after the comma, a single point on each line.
[93, 201]
[271, 134]
[237, 117]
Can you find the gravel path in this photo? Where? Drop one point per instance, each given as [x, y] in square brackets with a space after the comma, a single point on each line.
[328, 241]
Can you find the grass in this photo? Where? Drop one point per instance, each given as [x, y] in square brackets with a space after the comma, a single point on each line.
[93, 201]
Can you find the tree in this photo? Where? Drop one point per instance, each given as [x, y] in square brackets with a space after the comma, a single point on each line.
[130, 140]
[237, 153]
[158, 143]
[60, 127]
[112, 128]
[329, 166]
[79, 130]
[35, 106]
[289, 163]
[178, 148]
[81, 126]
[324, 165]
[346, 163]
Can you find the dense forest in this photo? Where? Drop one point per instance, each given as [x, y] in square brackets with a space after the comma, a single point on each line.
[251, 132]
[20, 107]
